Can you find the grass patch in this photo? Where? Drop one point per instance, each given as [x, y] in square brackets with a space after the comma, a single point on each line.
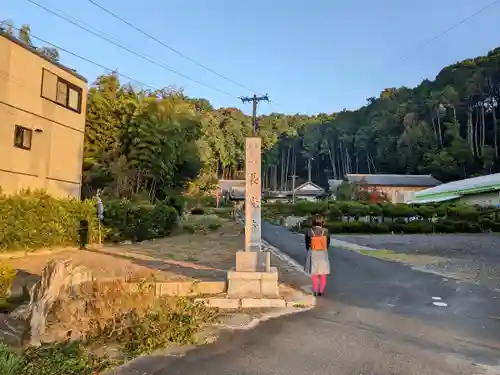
[64, 358]
[410, 259]
[202, 223]
[222, 212]
[11, 362]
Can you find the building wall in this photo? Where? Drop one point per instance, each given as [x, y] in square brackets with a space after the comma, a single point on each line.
[484, 199]
[397, 194]
[52, 159]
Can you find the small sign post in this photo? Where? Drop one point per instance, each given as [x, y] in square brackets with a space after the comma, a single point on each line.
[100, 215]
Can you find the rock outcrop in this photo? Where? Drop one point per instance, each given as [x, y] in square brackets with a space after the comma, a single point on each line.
[55, 285]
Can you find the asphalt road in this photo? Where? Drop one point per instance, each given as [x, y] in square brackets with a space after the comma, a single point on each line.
[376, 318]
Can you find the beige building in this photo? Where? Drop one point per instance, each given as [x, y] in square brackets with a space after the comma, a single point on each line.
[398, 188]
[42, 122]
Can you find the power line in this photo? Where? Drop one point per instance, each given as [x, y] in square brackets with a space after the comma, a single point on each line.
[142, 56]
[170, 48]
[88, 60]
[454, 26]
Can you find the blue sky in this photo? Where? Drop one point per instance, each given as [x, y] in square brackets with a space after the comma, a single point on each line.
[312, 58]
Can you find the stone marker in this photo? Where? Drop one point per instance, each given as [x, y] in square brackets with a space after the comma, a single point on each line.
[253, 194]
[253, 276]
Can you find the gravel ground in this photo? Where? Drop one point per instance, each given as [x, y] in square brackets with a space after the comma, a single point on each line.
[471, 257]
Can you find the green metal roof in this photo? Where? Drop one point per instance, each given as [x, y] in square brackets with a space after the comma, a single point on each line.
[456, 189]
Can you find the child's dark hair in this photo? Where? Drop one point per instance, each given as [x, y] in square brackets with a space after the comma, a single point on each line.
[318, 220]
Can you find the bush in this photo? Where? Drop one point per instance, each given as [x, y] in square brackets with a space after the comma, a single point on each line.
[31, 220]
[167, 320]
[170, 321]
[197, 211]
[7, 275]
[125, 220]
[398, 227]
[451, 218]
[177, 202]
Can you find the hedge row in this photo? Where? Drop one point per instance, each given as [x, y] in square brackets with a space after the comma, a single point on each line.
[33, 220]
[413, 227]
[335, 210]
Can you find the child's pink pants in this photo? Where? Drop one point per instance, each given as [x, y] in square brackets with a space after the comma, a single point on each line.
[322, 283]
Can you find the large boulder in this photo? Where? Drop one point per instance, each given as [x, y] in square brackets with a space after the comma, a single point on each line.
[56, 283]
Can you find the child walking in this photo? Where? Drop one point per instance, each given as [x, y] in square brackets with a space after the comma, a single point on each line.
[317, 241]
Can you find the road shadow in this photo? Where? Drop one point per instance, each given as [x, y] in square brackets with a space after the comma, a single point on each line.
[186, 269]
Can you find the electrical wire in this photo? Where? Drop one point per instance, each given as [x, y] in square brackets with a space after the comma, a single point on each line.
[454, 26]
[88, 60]
[141, 55]
[170, 47]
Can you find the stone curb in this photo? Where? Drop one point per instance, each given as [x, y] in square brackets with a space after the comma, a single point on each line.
[28, 253]
[300, 300]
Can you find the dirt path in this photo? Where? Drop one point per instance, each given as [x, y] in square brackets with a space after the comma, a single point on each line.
[199, 256]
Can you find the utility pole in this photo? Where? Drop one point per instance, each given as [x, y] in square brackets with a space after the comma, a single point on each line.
[309, 169]
[293, 187]
[255, 100]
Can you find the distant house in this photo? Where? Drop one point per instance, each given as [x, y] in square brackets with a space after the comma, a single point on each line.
[235, 191]
[308, 190]
[398, 188]
[482, 191]
[232, 189]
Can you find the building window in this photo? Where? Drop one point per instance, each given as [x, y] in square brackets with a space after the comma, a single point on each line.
[61, 92]
[22, 137]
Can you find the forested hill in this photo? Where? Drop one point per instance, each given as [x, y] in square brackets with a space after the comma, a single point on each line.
[446, 127]
[144, 141]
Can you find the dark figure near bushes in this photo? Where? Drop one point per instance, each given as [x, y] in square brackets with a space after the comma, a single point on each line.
[83, 234]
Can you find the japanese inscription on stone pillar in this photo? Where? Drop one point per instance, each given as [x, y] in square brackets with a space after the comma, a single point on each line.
[253, 193]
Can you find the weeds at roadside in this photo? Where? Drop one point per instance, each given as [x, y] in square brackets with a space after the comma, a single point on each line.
[11, 362]
[171, 320]
[64, 358]
[109, 314]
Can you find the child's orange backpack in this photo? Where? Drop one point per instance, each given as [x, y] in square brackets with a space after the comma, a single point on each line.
[319, 241]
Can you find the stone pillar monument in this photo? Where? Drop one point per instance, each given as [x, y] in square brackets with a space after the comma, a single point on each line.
[253, 194]
[253, 276]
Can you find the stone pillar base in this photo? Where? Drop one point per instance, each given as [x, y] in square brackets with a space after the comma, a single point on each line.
[248, 284]
[251, 261]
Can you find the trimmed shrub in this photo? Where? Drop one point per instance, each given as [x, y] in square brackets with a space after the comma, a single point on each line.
[430, 218]
[34, 219]
[125, 220]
